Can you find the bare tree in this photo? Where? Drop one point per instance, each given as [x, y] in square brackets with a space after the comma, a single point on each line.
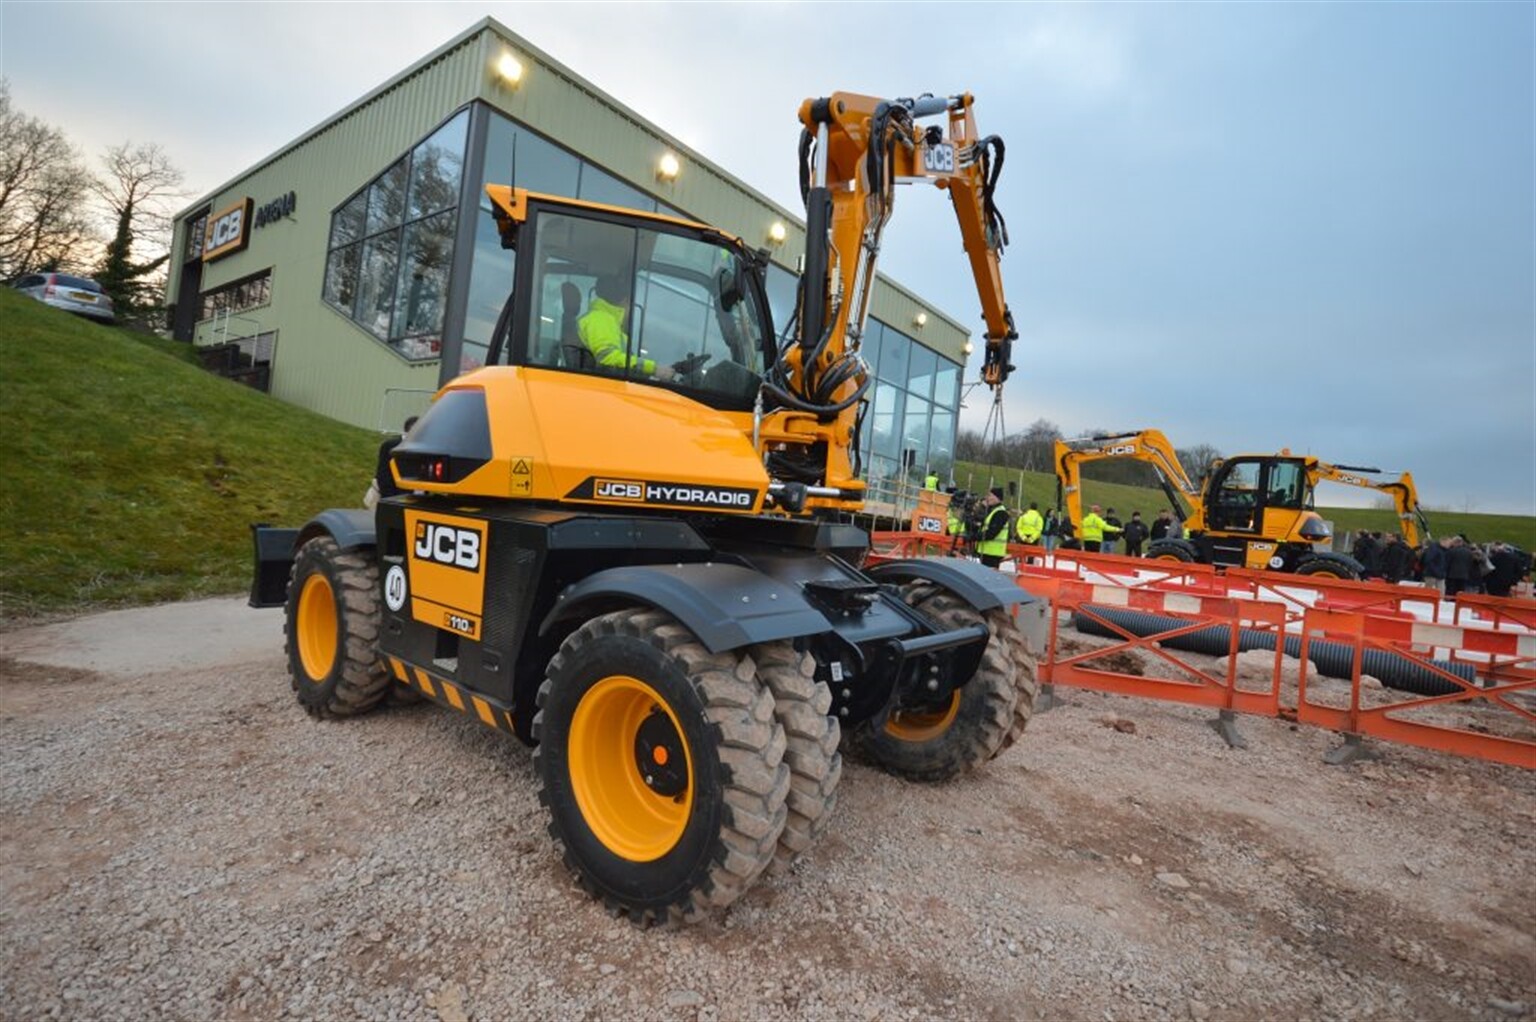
[1038, 446]
[43, 217]
[1197, 460]
[139, 190]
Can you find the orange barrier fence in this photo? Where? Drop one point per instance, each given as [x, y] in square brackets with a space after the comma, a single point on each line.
[1193, 685]
[1403, 621]
[1386, 719]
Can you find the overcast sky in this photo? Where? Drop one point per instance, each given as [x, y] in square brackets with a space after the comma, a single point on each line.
[1249, 225]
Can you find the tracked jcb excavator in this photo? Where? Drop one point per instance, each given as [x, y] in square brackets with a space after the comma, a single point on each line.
[1252, 511]
[627, 539]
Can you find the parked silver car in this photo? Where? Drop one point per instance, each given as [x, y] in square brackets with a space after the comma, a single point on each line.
[72, 294]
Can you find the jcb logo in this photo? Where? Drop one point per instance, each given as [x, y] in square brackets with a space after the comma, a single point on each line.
[933, 525]
[939, 158]
[226, 232]
[620, 489]
[1122, 449]
[444, 544]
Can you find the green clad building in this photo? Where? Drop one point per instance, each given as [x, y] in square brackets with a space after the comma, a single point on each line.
[358, 268]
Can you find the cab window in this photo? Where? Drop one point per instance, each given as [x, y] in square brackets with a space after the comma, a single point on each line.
[645, 305]
[1287, 485]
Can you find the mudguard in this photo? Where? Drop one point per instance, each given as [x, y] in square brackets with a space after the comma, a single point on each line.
[982, 587]
[727, 606]
[349, 527]
[275, 547]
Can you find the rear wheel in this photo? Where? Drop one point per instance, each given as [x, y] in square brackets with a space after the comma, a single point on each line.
[981, 718]
[800, 703]
[1171, 550]
[331, 622]
[662, 766]
[1329, 566]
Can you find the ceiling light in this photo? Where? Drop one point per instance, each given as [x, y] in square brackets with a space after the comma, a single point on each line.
[510, 69]
[667, 167]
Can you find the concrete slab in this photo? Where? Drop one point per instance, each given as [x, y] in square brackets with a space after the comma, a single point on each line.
[149, 640]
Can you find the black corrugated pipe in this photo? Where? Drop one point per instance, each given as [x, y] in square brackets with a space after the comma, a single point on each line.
[1331, 659]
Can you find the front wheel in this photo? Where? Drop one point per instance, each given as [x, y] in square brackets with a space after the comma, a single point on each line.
[331, 622]
[662, 766]
[983, 716]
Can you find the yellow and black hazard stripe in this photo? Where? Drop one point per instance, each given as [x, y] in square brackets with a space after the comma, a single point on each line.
[486, 710]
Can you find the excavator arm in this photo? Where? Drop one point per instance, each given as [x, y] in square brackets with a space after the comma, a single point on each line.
[854, 150]
[1147, 445]
[1405, 496]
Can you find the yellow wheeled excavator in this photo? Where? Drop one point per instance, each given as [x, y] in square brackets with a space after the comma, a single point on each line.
[628, 539]
[1252, 510]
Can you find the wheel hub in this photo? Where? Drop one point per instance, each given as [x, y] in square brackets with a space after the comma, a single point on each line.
[659, 755]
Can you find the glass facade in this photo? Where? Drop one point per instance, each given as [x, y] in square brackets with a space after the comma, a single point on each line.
[391, 245]
[391, 252]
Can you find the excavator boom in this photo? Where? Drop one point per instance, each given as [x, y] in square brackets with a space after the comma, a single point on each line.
[854, 150]
[1147, 445]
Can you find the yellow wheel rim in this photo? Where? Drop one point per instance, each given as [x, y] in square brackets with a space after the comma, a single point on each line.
[610, 758]
[922, 727]
[316, 625]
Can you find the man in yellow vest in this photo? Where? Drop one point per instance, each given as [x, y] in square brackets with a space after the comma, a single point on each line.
[1094, 529]
[931, 481]
[1031, 524]
[992, 544]
[602, 331]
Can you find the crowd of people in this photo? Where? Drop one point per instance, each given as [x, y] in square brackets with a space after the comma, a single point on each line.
[1452, 565]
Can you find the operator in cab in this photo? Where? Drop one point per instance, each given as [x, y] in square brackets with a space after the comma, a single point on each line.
[602, 330]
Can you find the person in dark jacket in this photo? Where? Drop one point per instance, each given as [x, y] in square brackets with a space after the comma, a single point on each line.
[1432, 562]
[1396, 559]
[1134, 534]
[1506, 570]
[1160, 524]
[992, 541]
[1460, 567]
[1111, 520]
[1367, 553]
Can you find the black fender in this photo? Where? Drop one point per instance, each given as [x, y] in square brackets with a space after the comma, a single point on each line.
[726, 605]
[982, 587]
[351, 528]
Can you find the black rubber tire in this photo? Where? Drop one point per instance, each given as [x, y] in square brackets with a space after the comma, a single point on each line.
[357, 680]
[1333, 565]
[800, 703]
[1172, 550]
[1025, 680]
[739, 781]
[986, 713]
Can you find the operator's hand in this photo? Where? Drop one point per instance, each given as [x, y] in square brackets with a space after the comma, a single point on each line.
[665, 373]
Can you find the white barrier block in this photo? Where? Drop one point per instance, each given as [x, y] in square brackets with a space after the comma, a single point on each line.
[1179, 604]
[1437, 635]
[1114, 596]
[1526, 646]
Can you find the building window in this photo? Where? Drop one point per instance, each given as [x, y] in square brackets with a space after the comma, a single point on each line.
[237, 297]
[391, 245]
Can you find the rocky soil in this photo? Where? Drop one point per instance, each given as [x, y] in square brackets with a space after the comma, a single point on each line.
[181, 841]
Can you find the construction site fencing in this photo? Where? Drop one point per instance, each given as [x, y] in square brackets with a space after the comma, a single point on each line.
[1470, 688]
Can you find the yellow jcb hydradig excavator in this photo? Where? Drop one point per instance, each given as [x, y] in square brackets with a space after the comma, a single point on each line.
[1253, 511]
[627, 538]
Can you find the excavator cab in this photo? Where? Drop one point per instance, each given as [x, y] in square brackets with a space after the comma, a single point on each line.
[635, 297]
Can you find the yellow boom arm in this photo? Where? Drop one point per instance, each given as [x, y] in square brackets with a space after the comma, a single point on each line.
[1147, 445]
[854, 150]
[1405, 496]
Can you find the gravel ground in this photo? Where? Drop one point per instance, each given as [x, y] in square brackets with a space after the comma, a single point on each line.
[182, 841]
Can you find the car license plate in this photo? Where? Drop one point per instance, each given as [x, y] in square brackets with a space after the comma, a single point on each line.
[82, 296]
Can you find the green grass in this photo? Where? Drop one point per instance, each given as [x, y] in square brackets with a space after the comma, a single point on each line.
[1041, 486]
[132, 475]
